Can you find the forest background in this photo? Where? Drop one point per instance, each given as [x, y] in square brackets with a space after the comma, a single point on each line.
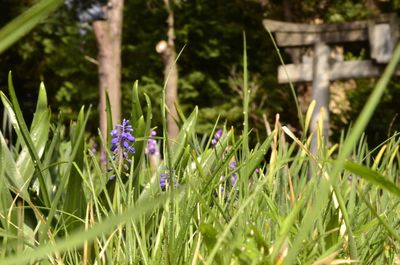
[62, 53]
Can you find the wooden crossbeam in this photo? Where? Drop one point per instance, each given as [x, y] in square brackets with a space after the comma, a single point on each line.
[293, 39]
[338, 71]
[381, 30]
[280, 26]
[293, 34]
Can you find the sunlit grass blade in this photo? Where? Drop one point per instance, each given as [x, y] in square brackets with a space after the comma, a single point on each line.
[21, 128]
[346, 219]
[6, 200]
[309, 113]
[11, 176]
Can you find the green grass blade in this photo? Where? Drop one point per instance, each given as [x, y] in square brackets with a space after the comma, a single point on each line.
[39, 132]
[5, 196]
[256, 158]
[246, 98]
[183, 137]
[349, 231]
[293, 90]
[21, 125]
[12, 175]
[136, 110]
[25, 22]
[75, 201]
[142, 131]
[373, 177]
[110, 122]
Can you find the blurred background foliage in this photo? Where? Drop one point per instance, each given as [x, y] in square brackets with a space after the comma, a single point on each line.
[62, 53]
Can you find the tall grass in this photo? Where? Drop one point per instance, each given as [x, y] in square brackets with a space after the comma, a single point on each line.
[59, 204]
[225, 202]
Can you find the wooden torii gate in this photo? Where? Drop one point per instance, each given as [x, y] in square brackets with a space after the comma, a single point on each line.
[381, 33]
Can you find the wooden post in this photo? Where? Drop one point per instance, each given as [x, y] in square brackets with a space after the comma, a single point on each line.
[320, 92]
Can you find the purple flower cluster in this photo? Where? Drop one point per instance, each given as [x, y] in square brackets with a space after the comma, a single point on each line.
[151, 148]
[122, 140]
[231, 181]
[233, 178]
[165, 180]
[216, 137]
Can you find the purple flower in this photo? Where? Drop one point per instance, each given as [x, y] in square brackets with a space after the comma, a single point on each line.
[229, 182]
[121, 143]
[233, 179]
[217, 136]
[122, 138]
[165, 181]
[151, 148]
[232, 165]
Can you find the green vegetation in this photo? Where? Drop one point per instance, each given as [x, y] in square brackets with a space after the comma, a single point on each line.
[229, 195]
[210, 74]
[223, 204]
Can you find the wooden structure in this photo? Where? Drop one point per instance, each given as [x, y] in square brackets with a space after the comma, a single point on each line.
[381, 33]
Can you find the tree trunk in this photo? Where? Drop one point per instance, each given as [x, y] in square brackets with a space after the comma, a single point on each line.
[108, 35]
[167, 51]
